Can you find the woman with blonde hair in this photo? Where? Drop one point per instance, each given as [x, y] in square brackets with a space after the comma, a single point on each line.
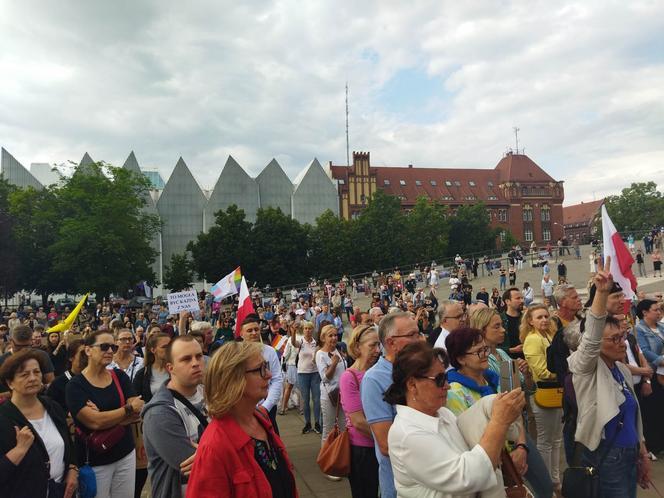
[364, 347]
[330, 365]
[240, 454]
[536, 333]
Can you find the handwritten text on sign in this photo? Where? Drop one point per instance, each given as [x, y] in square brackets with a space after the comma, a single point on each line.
[182, 301]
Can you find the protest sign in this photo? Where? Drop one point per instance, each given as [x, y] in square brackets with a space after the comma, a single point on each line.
[182, 301]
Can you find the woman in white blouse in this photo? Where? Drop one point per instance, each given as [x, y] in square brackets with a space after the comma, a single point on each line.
[429, 455]
[330, 365]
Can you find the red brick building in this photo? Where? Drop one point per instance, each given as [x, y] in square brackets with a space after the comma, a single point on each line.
[519, 195]
[579, 221]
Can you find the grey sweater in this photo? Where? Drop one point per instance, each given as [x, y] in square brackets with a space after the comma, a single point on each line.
[167, 443]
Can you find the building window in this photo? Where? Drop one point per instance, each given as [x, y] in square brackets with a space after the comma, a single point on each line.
[546, 233]
[448, 183]
[502, 235]
[470, 198]
[502, 215]
[528, 234]
[545, 213]
[490, 184]
[342, 182]
[493, 198]
[363, 198]
[471, 183]
[434, 183]
[457, 183]
[402, 183]
[418, 183]
[527, 213]
[386, 182]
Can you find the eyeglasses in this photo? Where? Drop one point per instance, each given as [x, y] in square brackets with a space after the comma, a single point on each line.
[411, 335]
[104, 347]
[264, 369]
[481, 353]
[617, 339]
[439, 379]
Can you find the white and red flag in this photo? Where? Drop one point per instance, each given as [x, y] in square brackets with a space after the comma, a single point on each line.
[245, 306]
[621, 258]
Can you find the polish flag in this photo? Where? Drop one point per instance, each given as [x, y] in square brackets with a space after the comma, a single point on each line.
[245, 306]
[621, 258]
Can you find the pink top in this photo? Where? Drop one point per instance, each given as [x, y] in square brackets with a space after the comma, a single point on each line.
[352, 402]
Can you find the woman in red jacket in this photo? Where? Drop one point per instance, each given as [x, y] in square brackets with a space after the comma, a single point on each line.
[239, 454]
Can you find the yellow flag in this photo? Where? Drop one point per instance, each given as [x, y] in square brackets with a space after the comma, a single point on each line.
[66, 324]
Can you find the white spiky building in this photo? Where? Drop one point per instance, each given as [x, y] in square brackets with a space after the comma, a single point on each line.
[185, 210]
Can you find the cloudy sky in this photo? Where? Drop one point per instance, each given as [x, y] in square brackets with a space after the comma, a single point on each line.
[432, 83]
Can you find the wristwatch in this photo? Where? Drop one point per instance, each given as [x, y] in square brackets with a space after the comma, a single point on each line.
[522, 445]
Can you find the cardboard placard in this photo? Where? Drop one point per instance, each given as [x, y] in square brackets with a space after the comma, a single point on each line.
[182, 301]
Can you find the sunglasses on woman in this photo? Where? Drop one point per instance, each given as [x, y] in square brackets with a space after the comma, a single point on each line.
[439, 379]
[106, 346]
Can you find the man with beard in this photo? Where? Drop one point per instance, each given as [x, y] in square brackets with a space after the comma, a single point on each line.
[513, 300]
[175, 418]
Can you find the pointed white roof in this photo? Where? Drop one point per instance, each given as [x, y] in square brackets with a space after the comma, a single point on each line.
[15, 173]
[234, 186]
[45, 173]
[132, 164]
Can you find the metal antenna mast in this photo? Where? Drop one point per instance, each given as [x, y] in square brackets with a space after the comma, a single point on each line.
[516, 136]
[347, 142]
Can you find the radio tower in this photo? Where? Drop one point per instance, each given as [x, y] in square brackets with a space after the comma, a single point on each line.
[516, 136]
[347, 142]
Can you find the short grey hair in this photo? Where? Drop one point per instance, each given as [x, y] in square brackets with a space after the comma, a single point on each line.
[561, 292]
[572, 335]
[375, 310]
[388, 325]
[443, 307]
[200, 326]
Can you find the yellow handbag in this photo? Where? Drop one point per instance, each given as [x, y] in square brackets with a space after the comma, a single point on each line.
[549, 395]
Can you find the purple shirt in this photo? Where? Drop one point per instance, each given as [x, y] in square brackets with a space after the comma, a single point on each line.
[352, 402]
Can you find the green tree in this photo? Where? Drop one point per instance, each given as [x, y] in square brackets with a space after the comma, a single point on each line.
[179, 274]
[380, 236]
[36, 215]
[279, 247]
[509, 240]
[103, 241]
[638, 208]
[428, 231]
[470, 231]
[226, 245]
[9, 278]
[331, 248]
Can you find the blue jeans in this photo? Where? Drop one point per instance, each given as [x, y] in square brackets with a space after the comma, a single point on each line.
[617, 474]
[503, 282]
[537, 475]
[309, 385]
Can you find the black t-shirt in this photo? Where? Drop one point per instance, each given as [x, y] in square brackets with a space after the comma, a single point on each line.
[273, 464]
[59, 361]
[513, 333]
[57, 390]
[79, 391]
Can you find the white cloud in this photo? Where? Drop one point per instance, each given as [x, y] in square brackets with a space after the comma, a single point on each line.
[203, 79]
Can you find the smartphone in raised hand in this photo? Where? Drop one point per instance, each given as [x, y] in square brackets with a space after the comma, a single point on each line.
[509, 376]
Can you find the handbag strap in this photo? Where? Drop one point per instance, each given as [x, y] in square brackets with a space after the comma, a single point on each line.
[116, 381]
[578, 447]
[197, 413]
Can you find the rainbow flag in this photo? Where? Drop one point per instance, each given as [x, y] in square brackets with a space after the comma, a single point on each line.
[227, 286]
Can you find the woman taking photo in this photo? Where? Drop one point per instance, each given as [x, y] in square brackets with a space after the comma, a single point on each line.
[364, 347]
[152, 376]
[330, 365]
[536, 332]
[37, 456]
[428, 453]
[308, 380]
[289, 360]
[611, 424]
[239, 454]
[126, 359]
[524, 451]
[100, 399]
[57, 352]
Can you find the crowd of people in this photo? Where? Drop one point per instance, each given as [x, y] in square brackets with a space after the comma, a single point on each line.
[193, 401]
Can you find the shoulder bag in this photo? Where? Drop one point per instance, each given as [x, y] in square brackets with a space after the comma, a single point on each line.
[549, 394]
[512, 480]
[334, 456]
[104, 440]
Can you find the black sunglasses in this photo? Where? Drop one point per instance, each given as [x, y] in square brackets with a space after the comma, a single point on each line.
[439, 379]
[106, 346]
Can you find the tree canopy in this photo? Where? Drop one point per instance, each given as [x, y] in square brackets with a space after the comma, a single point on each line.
[637, 209]
[178, 274]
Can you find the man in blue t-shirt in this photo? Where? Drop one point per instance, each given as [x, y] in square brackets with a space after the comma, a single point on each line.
[396, 331]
